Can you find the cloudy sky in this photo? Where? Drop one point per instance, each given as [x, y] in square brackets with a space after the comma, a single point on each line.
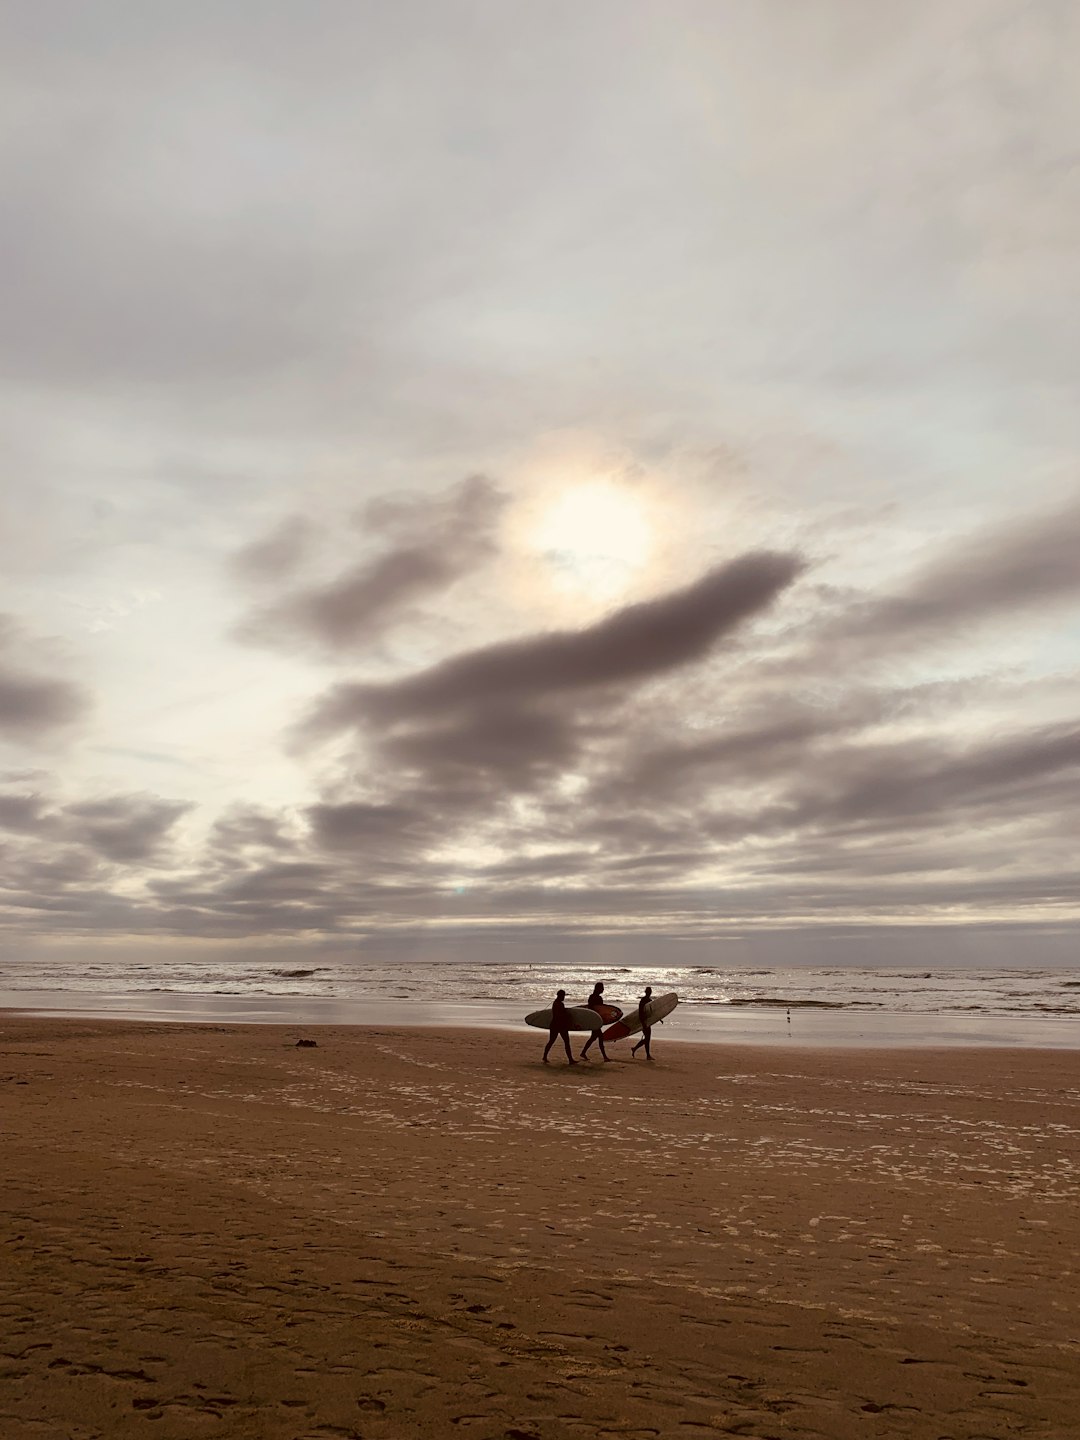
[482, 476]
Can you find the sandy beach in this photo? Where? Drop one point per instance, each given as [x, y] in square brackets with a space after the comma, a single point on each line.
[210, 1232]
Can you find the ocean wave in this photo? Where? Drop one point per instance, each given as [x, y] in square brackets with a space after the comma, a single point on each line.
[779, 1000]
[298, 974]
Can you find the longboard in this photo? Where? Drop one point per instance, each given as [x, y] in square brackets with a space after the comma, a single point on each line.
[579, 1017]
[657, 1008]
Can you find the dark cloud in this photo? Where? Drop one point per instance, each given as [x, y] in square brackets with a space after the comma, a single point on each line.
[627, 648]
[29, 704]
[1029, 565]
[32, 704]
[740, 752]
[772, 731]
[373, 828]
[126, 829]
[439, 539]
[356, 605]
[244, 828]
[785, 804]
[117, 829]
[22, 812]
[278, 554]
[879, 829]
[501, 745]
[1031, 562]
[290, 881]
[62, 860]
[453, 749]
[923, 779]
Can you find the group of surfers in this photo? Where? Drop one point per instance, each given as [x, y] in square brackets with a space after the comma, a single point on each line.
[560, 1025]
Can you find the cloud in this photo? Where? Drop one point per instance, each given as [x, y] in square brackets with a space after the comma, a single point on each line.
[1029, 565]
[872, 828]
[356, 825]
[439, 540]
[245, 828]
[30, 703]
[924, 780]
[126, 829]
[630, 647]
[1032, 561]
[454, 750]
[22, 812]
[62, 860]
[262, 286]
[488, 751]
[277, 554]
[741, 751]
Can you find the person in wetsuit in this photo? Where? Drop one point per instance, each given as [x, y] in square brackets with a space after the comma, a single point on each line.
[594, 1002]
[560, 1025]
[646, 1030]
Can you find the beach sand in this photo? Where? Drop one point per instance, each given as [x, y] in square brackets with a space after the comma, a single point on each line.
[209, 1232]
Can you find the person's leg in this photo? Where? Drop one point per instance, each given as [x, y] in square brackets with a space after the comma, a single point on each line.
[569, 1053]
[646, 1040]
[594, 1036]
[603, 1052]
[553, 1035]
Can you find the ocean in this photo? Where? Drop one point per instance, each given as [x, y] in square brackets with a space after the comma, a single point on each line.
[820, 1006]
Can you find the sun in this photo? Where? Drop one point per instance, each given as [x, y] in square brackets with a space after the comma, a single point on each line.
[596, 536]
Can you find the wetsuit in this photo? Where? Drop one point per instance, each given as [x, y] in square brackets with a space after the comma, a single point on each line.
[560, 1025]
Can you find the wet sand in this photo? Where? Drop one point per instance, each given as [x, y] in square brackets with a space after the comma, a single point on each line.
[209, 1232]
[805, 1025]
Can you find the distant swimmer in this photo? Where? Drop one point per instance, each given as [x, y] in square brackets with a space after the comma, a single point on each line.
[595, 1002]
[560, 1025]
[646, 1030]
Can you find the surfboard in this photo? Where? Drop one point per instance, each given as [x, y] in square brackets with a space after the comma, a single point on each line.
[657, 1008]
[607, 1013]
[579, 1016]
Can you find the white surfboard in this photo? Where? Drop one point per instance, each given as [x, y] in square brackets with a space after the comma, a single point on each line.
[580, 1017]
[657, 1008]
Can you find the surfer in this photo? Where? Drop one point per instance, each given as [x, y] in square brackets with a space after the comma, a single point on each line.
[560, 1025]
[595, 1002]
[646, 1030]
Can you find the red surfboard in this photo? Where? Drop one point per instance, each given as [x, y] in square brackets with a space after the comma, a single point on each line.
[606, 1012]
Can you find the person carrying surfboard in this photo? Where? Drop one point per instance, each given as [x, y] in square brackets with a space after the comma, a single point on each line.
[646, 1030]
[596, 1002]
[560, 1025]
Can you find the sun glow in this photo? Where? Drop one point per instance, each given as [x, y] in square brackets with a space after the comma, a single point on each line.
[596, 536]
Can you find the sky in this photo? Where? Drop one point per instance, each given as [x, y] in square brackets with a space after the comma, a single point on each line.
[496, 480]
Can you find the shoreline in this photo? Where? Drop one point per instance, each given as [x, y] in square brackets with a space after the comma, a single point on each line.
[709, 1025]
[901, 1060]
[427, 1232]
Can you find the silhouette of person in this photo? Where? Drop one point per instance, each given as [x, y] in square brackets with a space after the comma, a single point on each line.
[595, 1000]
[646, 1030]
[560, 1026]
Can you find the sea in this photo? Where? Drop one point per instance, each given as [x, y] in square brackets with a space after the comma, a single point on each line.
[797, 1006]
